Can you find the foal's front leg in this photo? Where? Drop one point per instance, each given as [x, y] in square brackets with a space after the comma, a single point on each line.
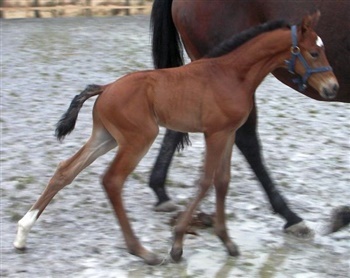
[185, 218]
[215, 147]
[221, 182]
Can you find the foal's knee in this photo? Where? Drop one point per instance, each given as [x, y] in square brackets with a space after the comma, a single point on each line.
[110, 183]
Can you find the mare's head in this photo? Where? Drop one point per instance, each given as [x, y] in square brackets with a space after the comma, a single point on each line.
[309, 59]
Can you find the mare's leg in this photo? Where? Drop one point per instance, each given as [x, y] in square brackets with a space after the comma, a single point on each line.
[215, 147]
[99, 143]
[248, 143]
[221, 182]
[160, 170]
[129, 154]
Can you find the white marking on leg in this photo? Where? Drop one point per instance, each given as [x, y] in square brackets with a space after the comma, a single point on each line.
[23, 228]
[319, 42]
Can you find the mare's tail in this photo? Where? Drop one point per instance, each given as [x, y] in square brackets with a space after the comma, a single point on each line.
[166, 44]
[67, 123]
[167, 50]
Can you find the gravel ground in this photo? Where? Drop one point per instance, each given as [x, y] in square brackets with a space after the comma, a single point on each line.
[45, 62]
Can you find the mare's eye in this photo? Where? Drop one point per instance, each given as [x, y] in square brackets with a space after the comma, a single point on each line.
[314, 54]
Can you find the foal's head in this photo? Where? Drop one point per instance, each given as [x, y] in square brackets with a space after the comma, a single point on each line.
[309, 59]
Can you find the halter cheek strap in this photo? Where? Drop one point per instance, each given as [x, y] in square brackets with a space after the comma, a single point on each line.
[296, 54]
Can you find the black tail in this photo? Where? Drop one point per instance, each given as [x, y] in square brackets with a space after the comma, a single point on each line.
[167, 48]
[166, 44]
[67, 123]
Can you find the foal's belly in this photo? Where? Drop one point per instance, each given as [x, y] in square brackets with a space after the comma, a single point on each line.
[204, 117]
[183, 121]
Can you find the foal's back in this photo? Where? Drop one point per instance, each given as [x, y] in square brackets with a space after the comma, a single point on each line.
[191, 98]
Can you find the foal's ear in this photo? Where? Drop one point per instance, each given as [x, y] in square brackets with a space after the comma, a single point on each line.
[310, 21]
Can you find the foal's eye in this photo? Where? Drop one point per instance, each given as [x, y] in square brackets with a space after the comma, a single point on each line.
[314, 54]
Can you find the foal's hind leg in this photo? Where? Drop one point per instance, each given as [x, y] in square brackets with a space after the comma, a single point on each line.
[221, 182]
[130, 152]
[99, 143]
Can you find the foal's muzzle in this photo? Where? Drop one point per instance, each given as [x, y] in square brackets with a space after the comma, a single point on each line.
[330, 92]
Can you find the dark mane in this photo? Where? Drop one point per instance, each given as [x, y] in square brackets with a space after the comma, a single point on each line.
[241, 38]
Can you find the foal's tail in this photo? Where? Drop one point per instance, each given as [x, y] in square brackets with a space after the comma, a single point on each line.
[67, 123]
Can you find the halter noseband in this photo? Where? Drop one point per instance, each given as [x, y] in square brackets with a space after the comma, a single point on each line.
[296, 54]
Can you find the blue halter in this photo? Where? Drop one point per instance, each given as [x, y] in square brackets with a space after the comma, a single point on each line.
[295, 51]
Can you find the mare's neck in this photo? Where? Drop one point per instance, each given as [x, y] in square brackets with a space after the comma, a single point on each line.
[257, 58]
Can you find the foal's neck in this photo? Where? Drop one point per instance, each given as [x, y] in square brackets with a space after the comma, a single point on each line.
[260, 56]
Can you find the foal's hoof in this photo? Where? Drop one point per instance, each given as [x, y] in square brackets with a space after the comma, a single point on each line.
[21, 238]
[232, 249]
[20, 249]
[176, 254]
[167, 206]
[300, 230]
[19, 246]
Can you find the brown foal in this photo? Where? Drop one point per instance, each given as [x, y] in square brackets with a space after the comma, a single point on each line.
[197, 97]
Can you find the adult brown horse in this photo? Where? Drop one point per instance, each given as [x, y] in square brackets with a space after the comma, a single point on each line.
[204, 24]
[193, 98]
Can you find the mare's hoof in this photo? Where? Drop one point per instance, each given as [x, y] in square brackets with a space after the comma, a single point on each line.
[167, 206]
[300, 230]
[176, 254]
[340, 218]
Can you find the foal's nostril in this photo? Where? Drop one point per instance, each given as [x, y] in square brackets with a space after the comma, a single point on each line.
[335, 88]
